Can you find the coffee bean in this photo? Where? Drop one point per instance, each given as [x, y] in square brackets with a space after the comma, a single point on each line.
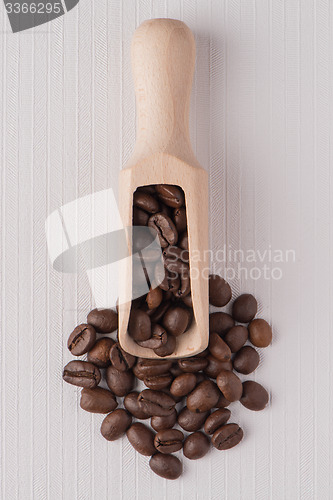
[179, 217]
[168, 348]
[103, 320]
[175, 320]
[230, 385]
[120, 359]
[246, 360]
[132, 405]
[227, 436]
[151, 367]
[190, 421]
[115, 424]
[81, 339]
[222, 402]
[120, 383]
[200, 377]
[187, 300]
[218, 348]
[150, 189]
[139, 325]
[172, 196]
[160, 423]
[260, 333]
[220, 322]
[192, 365]
[160, 311]
[167, 281]
[244, 308]
[98, 400]
[141, 438]
[203, 397]
[183, 241]
[166, 466]
[146, 202]
[82, 374]
[175, 369]
[154, 297]
[159, 338]
[196, 445]
[140, 218]
[219, 291]
[236, 337]
[216, 420]
[215, 366]
[100, 353]
[159, 381]
[180, 269]
[169, 440]
[165, 229]
[156, 402]
[183, 384]
[254, 397]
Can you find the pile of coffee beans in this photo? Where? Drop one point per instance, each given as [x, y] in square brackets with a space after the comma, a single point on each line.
[191, 393]
[165, 312]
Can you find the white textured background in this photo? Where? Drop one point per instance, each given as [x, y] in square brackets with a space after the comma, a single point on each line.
[261, 123]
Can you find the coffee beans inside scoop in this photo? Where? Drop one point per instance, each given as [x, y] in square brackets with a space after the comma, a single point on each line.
[191, 393]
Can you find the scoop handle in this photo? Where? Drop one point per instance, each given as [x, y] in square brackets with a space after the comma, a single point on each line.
[163, 60]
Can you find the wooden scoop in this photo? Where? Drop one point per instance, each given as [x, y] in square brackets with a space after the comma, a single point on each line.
[163, 59]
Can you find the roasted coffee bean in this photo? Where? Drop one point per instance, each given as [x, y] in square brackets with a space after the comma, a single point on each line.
[150, 189]
[183, 271]
[98, 400]
[139, 325]
[175, 320]
[159, 338]
[203, 397]
[141, 438]
[140, 217]
[121, 359]
[154, 297]
[160, 423]
[115, 424]
[183, 241]
[216, 420]
[152, 367]
[222, 402]
[167, 281]
[81, 339]
[220, 322]
[165, 228]
[190, 421]
[227, 436]
[177, 399]
[236, 337]
[219, 291]
[169, 440]
[120, 383]
[175, 369]
[218, 348]
[103, 320]
[230, 385]
[100, 353]
[192, 365]
[158, 382]
[82, 374]
[157, 315]
[246, 360]
[244, 308]
[166, 466]
[173, 253]
[260, 333]
[146, 202]
[187, 300]
[254, 397]
[156, 402]
[183, 384]
[179, 217]
[132, 405]
[172, 196]
[214, 366]
[196, 445]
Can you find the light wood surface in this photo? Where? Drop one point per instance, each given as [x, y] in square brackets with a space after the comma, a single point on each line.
[163, 58]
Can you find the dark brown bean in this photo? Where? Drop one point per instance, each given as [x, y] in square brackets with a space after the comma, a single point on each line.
[121, 359]
[246, 360]
[168, 348]
[103, 320]
[219, 291]
[168, 282]
[175, 320]
[183, 384]
[150, 189]
[160, 311]
[187, 300]
[196, 445]
[139, 325]
[169, 440]
[203, 397]
[100, 353]
[141, 438]
[158, 382]
[244, 308]
[236, 337]
[216, 420]
[120, 383]
[154, 297]
[167, 466]
[98, 400]
[132, 405]
[82, 338]
[160, 423]
[152, 367]
[230, 385]
[140, 217]
[190, 421]
[192, 365]
[179, 217]
[222, 402]
[254, 397]
[260, 333]
[115, 424]
[145, 202]
[215, 366]
[183, 241]
[172, 196]
[220, 322]
[156, 402]
[227, 436]
[218, 348]
[82, 374]
[165, 229]
[159, 338]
